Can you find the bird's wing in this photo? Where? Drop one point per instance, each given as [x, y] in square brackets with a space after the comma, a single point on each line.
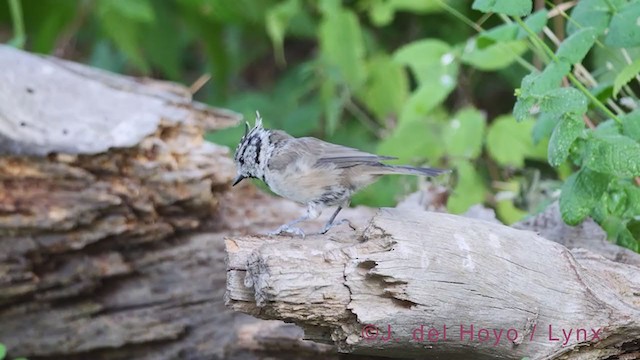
[338, 155]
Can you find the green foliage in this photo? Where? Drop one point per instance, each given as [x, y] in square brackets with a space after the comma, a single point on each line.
[3, 353]
[406, 78]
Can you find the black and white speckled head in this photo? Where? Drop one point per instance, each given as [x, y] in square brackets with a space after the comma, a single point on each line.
[250, 153]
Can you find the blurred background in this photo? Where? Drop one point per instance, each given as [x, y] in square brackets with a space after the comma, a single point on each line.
[408, 78]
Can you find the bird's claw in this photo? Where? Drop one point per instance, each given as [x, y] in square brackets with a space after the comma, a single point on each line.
[285, 229]
[329, 226]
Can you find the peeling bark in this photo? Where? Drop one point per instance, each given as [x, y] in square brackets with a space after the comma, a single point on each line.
[111, 240]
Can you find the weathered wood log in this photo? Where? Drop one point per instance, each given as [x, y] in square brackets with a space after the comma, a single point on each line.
[113, 211]
[496, 291]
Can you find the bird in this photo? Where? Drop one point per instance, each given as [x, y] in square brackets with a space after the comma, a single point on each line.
[311, 171]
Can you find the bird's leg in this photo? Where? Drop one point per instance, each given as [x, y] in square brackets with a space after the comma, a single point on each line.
[313, 211]
[331, 223]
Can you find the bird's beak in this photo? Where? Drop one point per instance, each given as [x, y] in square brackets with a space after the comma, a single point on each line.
[237, 180]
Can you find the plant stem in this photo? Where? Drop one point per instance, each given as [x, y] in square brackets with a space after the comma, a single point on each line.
[534, 37]
[19, 35]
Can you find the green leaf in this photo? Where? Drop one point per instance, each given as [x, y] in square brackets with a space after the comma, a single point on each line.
[512, 31]
[507, 7]
[508, 213]
[469, 189]
[333, 104]
[580, 193]
[613, 154]
[431, 61]
[416, 6]
[163, 44]
[381, 12]
[565, 133]
[415, 141]
[595, 13]
[464, 134]
[549, 79]
[576, 46]
[510, 142]
[135, 10]
[3, 351]
[536, 22]
[543, 127]
[564, 101]
[387, 88]
[423, 100]
[522, 108]
[631, 125]
[342, 45]
[629, 72]
[608, 127]
[277, 20]
[494, 57]
[121, 21]
[624, 30]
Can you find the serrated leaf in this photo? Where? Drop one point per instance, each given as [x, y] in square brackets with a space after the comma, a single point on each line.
[629, 72]
[342, 45]
[595, 13]
[539, 84]
[617, 155]
[387, 88]
[624, 30]
[277, 20]
[510, 142]
[494, 57]
[631, 125]
[536, 85]
[580, 193]
[464, 134]
[469, 189]
[431, 61]
[565, 133]
[543, 127]
[576, 46]
[507, 7]
[563, 101]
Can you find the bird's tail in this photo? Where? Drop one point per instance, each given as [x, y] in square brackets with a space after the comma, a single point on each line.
[410, 170]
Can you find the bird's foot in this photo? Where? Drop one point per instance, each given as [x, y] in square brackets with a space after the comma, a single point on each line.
[327, 227]
[286, 229]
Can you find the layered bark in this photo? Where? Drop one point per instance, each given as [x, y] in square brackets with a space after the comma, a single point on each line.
[411, 274]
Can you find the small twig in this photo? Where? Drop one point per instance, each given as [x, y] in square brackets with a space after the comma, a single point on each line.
[199, 83]
[359, 114]
[559, 9]
[588, 121]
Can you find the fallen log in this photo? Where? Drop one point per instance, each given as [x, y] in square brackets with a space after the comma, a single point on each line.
[113, 211]
[420, 285]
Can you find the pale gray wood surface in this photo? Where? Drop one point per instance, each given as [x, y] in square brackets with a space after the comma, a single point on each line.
[51, 105]
[412, 268]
